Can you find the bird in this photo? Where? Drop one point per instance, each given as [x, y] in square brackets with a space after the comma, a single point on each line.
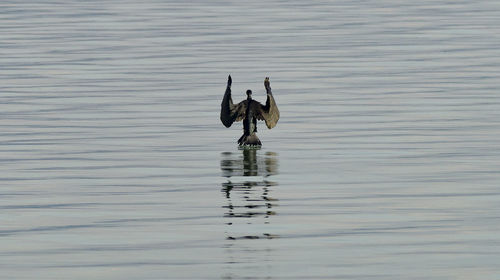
[249, 111]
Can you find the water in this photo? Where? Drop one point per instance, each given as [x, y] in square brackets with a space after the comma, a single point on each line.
[384, 165]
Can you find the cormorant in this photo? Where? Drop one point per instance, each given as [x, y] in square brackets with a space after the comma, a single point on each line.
[249, 111]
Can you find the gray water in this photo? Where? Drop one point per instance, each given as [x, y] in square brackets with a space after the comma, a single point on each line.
[385, 163]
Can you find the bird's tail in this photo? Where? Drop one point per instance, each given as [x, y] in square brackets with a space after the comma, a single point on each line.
[249, 140]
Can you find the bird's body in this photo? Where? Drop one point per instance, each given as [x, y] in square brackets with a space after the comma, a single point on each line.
[249, 111]
[250, 124]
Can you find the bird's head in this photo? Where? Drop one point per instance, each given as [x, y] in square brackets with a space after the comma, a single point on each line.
[249, 93]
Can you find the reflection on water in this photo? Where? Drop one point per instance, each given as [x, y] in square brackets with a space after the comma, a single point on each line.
[247, 192]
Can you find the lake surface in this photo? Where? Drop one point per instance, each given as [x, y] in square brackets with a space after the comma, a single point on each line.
[385, 163]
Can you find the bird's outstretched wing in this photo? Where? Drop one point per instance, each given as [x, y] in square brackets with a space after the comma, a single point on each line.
[229, 112]
[268, 112]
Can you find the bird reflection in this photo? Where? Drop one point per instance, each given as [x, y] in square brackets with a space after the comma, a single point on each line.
[247, 190]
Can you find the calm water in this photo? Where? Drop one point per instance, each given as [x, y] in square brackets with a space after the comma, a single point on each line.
[385, 163]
